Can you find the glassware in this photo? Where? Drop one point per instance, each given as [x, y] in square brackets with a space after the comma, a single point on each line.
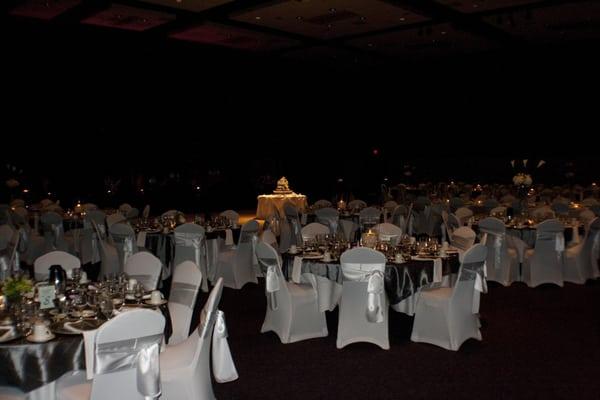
[106, 306]
[139, 292]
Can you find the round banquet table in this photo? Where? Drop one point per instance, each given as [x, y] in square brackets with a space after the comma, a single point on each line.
[268, 203]
[401, 280]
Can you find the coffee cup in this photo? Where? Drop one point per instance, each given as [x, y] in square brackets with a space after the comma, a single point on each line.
[40, 331]
[155, 297]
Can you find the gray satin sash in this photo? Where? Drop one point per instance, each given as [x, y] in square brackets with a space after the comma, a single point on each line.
[140, 353]
[183, 293]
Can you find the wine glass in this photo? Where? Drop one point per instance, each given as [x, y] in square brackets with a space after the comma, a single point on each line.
[106, 307]
[139, 292]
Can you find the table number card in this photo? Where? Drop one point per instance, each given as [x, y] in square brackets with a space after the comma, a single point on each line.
[46, 294]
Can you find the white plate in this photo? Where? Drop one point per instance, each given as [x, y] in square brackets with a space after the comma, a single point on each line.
[31, 339]
[163, 301]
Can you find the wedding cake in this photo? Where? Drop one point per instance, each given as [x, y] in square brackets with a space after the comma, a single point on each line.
[282, 186]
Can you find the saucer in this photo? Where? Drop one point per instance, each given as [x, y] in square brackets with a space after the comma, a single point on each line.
[30, 338]
[150, 303]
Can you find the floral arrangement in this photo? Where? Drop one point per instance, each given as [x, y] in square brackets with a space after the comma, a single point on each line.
[522, 179]
[14, 287]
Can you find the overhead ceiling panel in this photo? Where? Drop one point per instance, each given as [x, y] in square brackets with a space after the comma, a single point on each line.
[43, 9]
[329, 18]
[189, 5]
[558, 23]
[472, 6]
[234, 37]
[429, 40]
[129, 18]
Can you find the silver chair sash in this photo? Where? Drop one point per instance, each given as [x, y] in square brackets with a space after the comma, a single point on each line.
[183, 293]
[271, 280]
[373, 275]
[222, 362]
[498, 241]
[140, 353]
[557, 237]
[127, 249]
[198, 243]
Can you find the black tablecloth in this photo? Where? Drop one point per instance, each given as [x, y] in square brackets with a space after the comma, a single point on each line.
[401, 280]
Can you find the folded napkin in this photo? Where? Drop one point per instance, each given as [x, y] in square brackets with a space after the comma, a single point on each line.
[6, 332]
[228, 237]
[141, 239]
[437, 270]
[80, 326]
[297, 269]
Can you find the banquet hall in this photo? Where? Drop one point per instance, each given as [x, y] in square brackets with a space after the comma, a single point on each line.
[306, 199]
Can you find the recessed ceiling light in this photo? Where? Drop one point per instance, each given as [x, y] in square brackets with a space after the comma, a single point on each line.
[402, 19]
[332, 10]
[370, 44]
[443, 32]
[257, 18]
[299, 18]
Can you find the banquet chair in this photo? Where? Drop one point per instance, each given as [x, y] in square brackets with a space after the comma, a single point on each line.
[124, 209]
[363, 308]
[348, 229]
[54, 235]
[115, 218]
[490, 204]
[463, 238]
[236, 265]
[67, 261]
[187, 279]
[190, 245]
[544, 263]
[109, 257]
[232, 216]
[389, 207]
[289, 228]
[399, 217]
[322, 204]
[388, 232]
[17, 203]
[132, 213]
[330, 217]
[452, 224]
[447, 317]
[171, 213]
[456, 203]
[31, 244]
[123, 237]
[146, 212]
[581, 261]
[90, 207]
[269, 237]
[292, 309]
[498, 211]
[310, 231]
[7, 236]
[560, 209]
[185, 368]
[463, 214]
[46, 202]
[590, 202]
[586, 217]
[507, 200]
[145, 267]
[544, 212]
[502, 262]
[137, 331]
[369, 216]
[356, 204]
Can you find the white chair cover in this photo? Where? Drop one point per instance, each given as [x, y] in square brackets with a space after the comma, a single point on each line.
[290, 228]
[114, 219]
[190, 245]
[399, 217]
[292, 309]
[310, 231]
[125, 352]
[544, 263]
[463, 238]
[54, 234]
[123, 237]
[109, 256]
[67, 261]
[185, 367]
[581, 262]
[232, 216]
[388, 233]
[463, 214]
[321, 204]
[447, 317]
[369, 216]
[187, 279]
[502, 263]
[363, 309]
[145, 268]
[236, 265]
[146, 212]
[330, 217]
[356, 205]
[349, 229]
